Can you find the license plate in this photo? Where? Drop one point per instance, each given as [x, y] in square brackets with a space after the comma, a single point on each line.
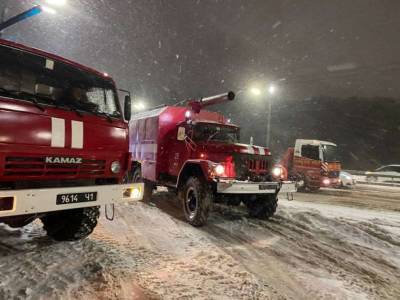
[76, 198]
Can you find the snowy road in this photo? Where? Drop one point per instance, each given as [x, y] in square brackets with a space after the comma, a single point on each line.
[323, 245]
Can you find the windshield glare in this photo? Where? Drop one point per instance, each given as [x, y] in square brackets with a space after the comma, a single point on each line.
[27, 76]
[214, 132]
[330, 153]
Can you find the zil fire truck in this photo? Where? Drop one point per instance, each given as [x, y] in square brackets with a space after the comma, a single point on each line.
[313, 164]
[197, 153]
[63, 143]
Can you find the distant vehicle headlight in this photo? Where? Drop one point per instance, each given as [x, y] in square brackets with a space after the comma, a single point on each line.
[326, 181]
[277, 172]
[219, 170]
[115, 167]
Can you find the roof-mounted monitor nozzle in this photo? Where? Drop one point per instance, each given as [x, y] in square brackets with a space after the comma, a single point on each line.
[198, 105]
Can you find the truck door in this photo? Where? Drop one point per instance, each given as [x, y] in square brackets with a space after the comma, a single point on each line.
[180, 150]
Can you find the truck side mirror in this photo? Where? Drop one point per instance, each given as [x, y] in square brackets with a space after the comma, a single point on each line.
[127, 108]
[181, 134]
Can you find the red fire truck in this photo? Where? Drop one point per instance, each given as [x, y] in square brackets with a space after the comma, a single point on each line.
[313, 164]
[63, 143]
[197, 153]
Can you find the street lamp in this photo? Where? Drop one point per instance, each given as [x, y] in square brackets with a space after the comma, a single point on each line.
[20, 17]
[268, 92]
[37, 9]
[57, 2]
[255, 91]
[139, 106]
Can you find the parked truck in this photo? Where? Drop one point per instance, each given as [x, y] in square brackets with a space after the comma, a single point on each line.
[312, 164]
[63, 143]
[197, 153]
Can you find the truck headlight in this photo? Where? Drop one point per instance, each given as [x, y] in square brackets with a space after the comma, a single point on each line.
[219, 170]
[277, 172]
[115, 167]
[326, 181]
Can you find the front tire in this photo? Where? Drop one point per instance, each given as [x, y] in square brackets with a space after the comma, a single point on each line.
[262, 207]
[71, 225]
[196, 199]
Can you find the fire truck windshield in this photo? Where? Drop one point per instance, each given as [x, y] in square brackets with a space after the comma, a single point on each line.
[330, 153]
[30, 77]
[216, 132]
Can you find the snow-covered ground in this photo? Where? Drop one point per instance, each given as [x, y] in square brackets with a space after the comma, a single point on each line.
[310, 249]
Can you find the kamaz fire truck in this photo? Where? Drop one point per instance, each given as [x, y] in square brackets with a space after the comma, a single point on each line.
[312, 164]
[197, 153]
[63, 143]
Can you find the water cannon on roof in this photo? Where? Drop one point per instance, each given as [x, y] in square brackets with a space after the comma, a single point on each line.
[197, 105]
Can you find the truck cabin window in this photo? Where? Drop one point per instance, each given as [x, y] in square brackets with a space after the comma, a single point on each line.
[330, 153]
[26, 76]
[310, 151]
[215, 132]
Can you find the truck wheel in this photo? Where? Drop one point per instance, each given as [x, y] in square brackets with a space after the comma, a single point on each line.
[262, 207]
[71, 225]
[196, 200]
[136, 176]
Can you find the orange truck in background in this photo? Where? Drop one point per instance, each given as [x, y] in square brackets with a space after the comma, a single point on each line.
[312, 164]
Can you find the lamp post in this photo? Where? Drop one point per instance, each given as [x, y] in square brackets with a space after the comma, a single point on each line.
[20, 17]
[36, 10]
[269, 92]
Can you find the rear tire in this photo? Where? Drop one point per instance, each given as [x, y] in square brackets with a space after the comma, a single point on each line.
[196, 198]
[71, 225]
[262, 207]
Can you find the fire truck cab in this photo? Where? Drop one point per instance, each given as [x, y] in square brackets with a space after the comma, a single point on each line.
[63, 143]
[197, 153]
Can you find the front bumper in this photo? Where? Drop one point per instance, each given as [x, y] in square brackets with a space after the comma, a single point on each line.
[34, 201]
[247, 187]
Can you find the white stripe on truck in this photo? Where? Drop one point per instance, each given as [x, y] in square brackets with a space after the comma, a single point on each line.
[148, 148]
[57, 133]
[77, 135]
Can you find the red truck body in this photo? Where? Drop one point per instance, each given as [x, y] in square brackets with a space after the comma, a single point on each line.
[56, 137]
[154, 145]
[196, 151]
[27, 134]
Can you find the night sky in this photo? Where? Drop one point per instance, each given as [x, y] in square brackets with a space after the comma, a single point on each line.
[174, 49]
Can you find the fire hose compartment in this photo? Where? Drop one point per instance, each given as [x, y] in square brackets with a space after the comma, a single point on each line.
[6, 203]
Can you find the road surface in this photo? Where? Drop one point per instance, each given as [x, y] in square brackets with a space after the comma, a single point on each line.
[326, 245]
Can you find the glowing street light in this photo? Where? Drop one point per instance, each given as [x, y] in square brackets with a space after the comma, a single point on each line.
[272, 89]
[139, 106]
[57, 2]
[48, 10]
[255, 91]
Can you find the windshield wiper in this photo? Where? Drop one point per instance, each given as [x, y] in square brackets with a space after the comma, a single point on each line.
[108, 117]
[25, 96]
[212, 136]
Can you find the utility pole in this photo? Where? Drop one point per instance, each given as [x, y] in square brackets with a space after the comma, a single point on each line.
[269, 120]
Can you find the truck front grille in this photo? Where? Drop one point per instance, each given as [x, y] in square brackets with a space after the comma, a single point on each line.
[250, 166]
[37, 166]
